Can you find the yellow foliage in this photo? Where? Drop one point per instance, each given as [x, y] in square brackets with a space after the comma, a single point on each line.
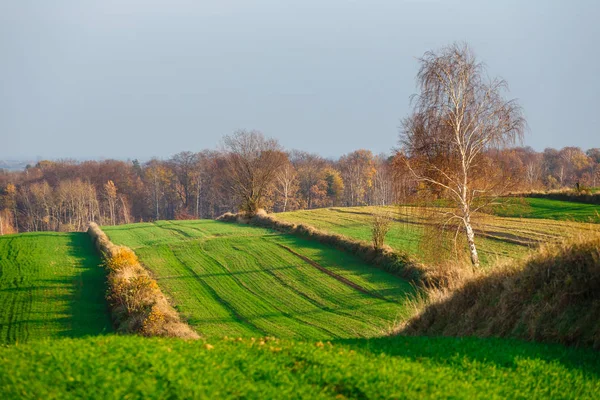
[120, 258]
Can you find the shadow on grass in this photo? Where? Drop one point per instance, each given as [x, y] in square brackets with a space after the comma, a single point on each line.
[88, 306]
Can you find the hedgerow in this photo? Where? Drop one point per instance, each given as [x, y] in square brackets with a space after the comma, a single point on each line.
[137, 303]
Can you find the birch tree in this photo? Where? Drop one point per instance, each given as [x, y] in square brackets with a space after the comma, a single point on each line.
[459, 115]
[286, 184]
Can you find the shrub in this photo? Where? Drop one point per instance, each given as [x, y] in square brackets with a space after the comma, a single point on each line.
[380, 226]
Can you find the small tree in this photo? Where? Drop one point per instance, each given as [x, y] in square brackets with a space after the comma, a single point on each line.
[110, 191]
[380, 226]
[252, 164]
[459, 117]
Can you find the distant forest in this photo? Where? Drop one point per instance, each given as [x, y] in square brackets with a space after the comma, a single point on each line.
[65, 195]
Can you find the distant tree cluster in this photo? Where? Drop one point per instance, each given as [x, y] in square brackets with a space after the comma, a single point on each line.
[250, 172]
[65, 195]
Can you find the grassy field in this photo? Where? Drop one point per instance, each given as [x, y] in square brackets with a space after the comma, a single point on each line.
[497, 237]
[51, 285]
[233, 280]
[528, 207]
[244, 282]
[132, 367]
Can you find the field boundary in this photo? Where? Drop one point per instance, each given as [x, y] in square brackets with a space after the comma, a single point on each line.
[137, 304]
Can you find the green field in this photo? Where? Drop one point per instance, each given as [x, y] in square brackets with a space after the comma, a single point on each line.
[232, 280]
[329, 309]
[413, 367]
[496, 237]
[529, 207]
[51, 286]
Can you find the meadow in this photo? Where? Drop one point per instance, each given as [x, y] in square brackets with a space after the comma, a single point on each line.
[240, 281]
[114, 367]
[530, 207]
[51, 286]
[412, 231]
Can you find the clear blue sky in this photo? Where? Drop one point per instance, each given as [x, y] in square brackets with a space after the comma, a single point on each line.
[143, 78]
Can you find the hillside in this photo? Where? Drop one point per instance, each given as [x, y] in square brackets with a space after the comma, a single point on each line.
[554, 296]
[51, 286]
[497, 237]
[233, 280]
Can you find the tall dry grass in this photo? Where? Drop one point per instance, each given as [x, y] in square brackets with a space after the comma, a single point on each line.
[137, 303]
[552, 296]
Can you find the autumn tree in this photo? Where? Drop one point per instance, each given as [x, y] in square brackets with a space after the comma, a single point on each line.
[459, 115]
[310, 169]
[286, 185]
[357, 172]
[252, 164]
[335, 186]
[186, 166]
[110, 192]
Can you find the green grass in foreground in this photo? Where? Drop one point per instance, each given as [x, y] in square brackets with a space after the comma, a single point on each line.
[530, 207]
[113, 367]
[228, 279]
[51, 285]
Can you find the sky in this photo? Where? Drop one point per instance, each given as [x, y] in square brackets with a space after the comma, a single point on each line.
[142, 78]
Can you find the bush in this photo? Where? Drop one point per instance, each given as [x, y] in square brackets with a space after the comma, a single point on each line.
[380, 226]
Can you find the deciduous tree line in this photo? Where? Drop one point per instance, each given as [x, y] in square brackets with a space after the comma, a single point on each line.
[65, 195]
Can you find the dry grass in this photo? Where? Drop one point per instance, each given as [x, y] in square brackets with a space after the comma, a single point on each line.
[137, 303]
[553, 296]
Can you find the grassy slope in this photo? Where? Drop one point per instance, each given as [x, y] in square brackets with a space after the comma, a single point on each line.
[554, 295]
[497, 237]
[51, 286]
[528, 207]
[116, 367]
[234, 280]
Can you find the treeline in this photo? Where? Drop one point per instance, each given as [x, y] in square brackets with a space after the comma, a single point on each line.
[65, 195]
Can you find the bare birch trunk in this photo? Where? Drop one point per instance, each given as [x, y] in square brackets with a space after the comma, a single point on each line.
[471, 241]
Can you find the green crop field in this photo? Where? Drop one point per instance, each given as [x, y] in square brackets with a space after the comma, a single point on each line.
[232, 280]
[529, 207]
[236, 284]
[496, 237]
[51, 285]
[115, 367]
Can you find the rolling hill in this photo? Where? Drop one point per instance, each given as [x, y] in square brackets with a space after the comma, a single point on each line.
[233, 280]
[496, 237]
[240, 287]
